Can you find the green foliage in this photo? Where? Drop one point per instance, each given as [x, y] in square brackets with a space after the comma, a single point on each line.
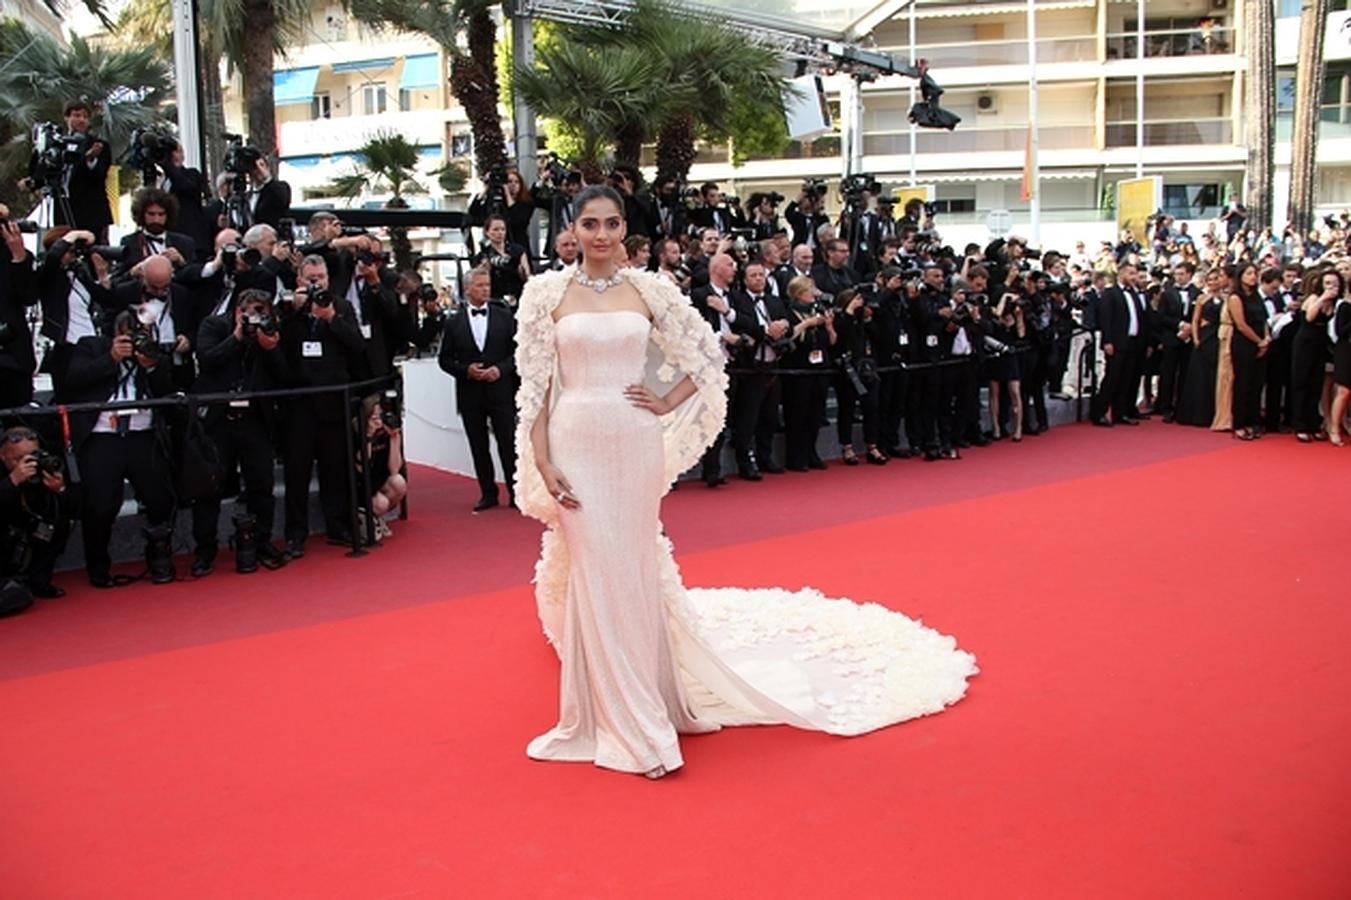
[128, 88]
[452, 176]
[389, 164]
[756, 131]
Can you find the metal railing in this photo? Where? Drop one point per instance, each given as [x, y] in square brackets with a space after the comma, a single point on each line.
[1195, 41]
[978, 140]
[958, 54]
[1172, 132]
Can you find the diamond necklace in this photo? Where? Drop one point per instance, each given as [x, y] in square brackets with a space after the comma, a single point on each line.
[599, 285]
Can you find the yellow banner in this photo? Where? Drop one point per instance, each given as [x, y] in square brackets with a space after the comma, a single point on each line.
[114, 194]
[904, 195]
[1136, 200]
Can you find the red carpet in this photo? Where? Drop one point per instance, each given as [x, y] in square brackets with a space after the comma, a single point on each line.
[1159, 615]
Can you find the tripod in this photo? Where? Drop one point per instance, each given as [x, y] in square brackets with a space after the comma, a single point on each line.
[237, 213]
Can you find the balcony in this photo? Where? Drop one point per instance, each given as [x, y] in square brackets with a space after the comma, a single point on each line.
[978, 140]
[1002, 53]
[320, 137]
[1334, 124]
[1173, 42]
[1172, 133]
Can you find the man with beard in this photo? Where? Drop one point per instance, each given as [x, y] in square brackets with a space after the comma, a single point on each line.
[154, 211]
[1172, 334]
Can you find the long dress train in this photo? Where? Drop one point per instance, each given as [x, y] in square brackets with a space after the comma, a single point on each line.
[644, 659]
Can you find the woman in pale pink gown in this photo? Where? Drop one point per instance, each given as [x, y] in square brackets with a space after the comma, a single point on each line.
[622, 390]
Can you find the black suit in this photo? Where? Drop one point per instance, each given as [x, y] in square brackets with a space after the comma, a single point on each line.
[318, 353]
[1175, 308]
[1278, 400]
[722, 218]
[272, 205]
[558, 205]
[189, 187]
[483, 402]
[183, 307]
[18, 291]
[711, 463]
[378, 318]
[136, 247]
[86, 192]
[107, 459]
[55, 286]
[1121, 383]
[243, 435]
[755, 418]
[833, 281]
[804, 226]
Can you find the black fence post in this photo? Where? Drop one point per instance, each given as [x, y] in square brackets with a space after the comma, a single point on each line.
[352, 474]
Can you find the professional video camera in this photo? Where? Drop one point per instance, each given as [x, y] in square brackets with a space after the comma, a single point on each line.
[56, 149]
[148, 152]
[496, 191]
[241, 158]
[852, 187]
[814, 187]
[927, 113]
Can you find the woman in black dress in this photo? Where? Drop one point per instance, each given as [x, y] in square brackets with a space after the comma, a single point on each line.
[507, 262]
[804, 396]
[1197, 403]
[1341, 369]
[1007, 326]
[1311, 353]
[1247, 349]
[519, 208]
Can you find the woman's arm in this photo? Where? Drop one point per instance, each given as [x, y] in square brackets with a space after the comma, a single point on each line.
[395, 451]
[539, 433]
[524, 266]
[1313, 305]
[1196, 321]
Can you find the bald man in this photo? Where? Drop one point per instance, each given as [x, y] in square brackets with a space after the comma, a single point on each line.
[168, 307]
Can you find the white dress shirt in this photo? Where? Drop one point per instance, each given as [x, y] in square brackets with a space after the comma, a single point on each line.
[478, 324]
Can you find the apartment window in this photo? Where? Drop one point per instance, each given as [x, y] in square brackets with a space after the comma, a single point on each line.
[1191, 201]
[406, 99]
[374, 98]
[955, 205]
[321, 107]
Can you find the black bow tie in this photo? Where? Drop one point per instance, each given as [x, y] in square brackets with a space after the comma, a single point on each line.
[479, 312]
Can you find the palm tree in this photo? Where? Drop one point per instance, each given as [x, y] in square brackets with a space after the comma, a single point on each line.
[1309, 75]
[390, 165]
[473, 67]
[1261, 19]
[603, 96]
[129, 89]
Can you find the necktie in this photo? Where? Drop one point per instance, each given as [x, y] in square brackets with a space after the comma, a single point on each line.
[479, 312]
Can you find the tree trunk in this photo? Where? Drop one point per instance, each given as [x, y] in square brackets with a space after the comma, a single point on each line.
[477, 93]
[256, 70]
[400, 247]
[1309, 73]
[675, 149]
[1261, 110]
[629, 145]
[213, 112]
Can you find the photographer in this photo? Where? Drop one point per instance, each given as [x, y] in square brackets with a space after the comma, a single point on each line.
[894, 348]
[804, 396]
[83, 180]
[856, 380]
[322, 345]
[35, 514]
[1035, 364]
[1007, 328]
[639, 215]
[716, 303]
[804, 214]
[122, 445]
[506, 196]
[669, 207]
[189, 187]
[384, 449]
[764, 220]
[834, 276]
[269, 199]
[765, 334]
[799, 265]
[18, 291]
[671, 264]
[74, 286]
[934, 325]
[557, 199]
[153, 211]
[239, 352]
[168, 312]
[377, 308]
[968, 343]
[505, 261]
[712, 212]
[432, 320]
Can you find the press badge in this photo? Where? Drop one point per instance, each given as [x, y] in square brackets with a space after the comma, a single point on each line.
[816, 357]
[312, 349]
[239, 404]
[366, 331]
[904, 339]
[931, 340]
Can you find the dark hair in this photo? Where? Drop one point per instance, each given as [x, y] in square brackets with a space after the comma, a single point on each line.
[72, 105]
[1271, 275]
[597, 192]
[635, 242]
[708, 186]
[1317, 287]
[1188, 265]
[254, 295]
[153, 196]
[495, 217]
[1236, 274]
[845, 297]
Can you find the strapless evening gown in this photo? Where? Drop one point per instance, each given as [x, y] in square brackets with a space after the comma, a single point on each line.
[644, 659]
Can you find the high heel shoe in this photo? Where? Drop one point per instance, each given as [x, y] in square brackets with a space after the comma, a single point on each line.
[1241, 434]
[1017, 437]
[654, 774]
[850, 457]
[876, 457]
[1336, 440]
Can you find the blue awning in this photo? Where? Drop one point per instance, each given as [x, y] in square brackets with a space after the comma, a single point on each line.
[429, 151]
[294, 85]
[363, 65]
[301, 162]
[421, 71]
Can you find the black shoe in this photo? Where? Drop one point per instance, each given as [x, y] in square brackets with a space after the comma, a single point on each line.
[816, 463]
[963, 444]
[295, 548]
[159, 559]
[1103, 423]
[269, 556]
[485, 503]
[715, 481]
[981, 441]
[931, 456]
[47, 591]
[749, 473]
[101, 579]
[203, 562]
[1128, 420]
[793, 468]
[1169, 418]
[771, 469]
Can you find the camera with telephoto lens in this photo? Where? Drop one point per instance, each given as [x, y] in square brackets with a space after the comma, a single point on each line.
[317, 295]
[229, 257]
[774, 198]
[555, 169]
[47, 463]
[845, 363]
[682, 271]
[390, 415]
[240, 158]
[148, 151]
[427, 292]
[259, 320]
[854, 186]
[371, 258]
[25, 226]
[145, 340]
[823, 304]
[961, 313]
